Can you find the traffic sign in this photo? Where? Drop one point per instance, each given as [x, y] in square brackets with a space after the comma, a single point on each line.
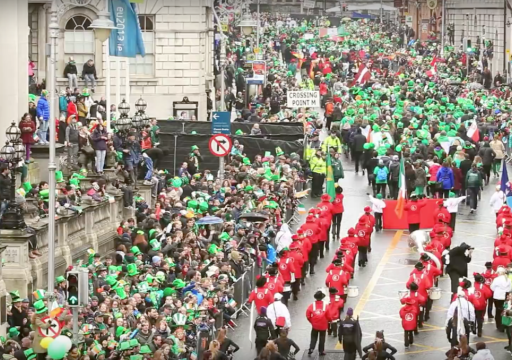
[221, 122]
[54, 330]
[220, 145]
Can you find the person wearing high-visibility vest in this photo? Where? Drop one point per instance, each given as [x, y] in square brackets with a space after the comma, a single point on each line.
[318, 169]
[331, 141]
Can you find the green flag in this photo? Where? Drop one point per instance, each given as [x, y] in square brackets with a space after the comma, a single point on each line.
[329, 186]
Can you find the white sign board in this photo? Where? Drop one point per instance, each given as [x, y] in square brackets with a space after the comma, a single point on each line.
[298, 99]
[309, 4]
[308, 36]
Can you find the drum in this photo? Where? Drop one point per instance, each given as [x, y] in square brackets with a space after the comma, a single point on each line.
[435, 293]
[352, 291]
[403, 293]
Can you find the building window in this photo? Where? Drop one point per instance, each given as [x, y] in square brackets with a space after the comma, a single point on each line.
[79, 41]
[145, 65]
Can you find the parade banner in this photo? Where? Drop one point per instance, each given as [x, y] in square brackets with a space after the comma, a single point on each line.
[390, 220]
[126, 40]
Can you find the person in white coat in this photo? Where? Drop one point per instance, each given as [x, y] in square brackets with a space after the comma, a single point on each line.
[500, 286]
[464, 312]
[452, 205]
[377, 207]
[283, 238]
[278, 312]
[497, 200]
[482, 353]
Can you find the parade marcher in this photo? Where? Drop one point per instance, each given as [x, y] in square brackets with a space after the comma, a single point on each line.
[452, 205]
[261, 296]
[337, 212]
[263, 329]
[460, 319]
[317, 315]
[350, 335]
[363, 233]
[456, 264]
[334, 309]
[377, 207]
[480, 296]
[409, 315]
[413, 209]
[279, 314]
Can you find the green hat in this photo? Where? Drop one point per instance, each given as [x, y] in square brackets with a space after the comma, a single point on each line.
[144, 349]
[194, 147]
[85, 92]
[111, 280]
[155, 245]
[193, 133]
[179, 284]
[15, 296]
[135, 250]
[169, 291]
[40, 307]
[60, 279]
[451, 194]
[59, 177]
[246, 161]
[122, 331]
[203, 207]
[224, 236]
[13, 332]
[192, 204]
[125, 345]
[134, 343]
[132, 270]
[279, 151]
[27, 186]
[30, 354]
[239, 132]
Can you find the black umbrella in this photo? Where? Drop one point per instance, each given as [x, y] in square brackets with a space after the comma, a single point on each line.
[254, 216]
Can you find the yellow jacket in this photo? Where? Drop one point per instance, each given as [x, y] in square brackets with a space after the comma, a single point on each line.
[330, 142]
[318, 165]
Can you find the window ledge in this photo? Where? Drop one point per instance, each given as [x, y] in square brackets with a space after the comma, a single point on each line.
[102, 80]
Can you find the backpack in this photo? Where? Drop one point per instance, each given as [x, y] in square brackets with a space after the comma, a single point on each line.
[382, 174]
[472, 178]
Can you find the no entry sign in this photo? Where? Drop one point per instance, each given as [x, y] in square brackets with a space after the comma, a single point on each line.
[54, 330]
[220, 145]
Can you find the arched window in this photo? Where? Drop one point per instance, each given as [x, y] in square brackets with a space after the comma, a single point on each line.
[79, 41]
[144, 65]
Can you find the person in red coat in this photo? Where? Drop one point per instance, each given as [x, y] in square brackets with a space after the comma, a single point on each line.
[319, 319]
[327, 211]
[334, 309]
[275, 283]
[363, 233]
[28, 128]
[420, 302]
[503, 258]
[287, 271]
[311, 231]
[444, 234]
[306, 249]
[441, 214]
[413, 208]
[489, 274]
[481, 294]
[337, 278]
[432, 272]
[261, 296]
[298, 262]
[324, 233]
[337, 211]
[371, 223]
[409, 316]
[504, 214]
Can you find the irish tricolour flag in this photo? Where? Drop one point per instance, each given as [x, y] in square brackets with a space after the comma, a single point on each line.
[400, 204]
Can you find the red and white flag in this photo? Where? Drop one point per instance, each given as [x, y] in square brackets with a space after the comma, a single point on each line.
[473, 132]
[362, 76]
[432, 72]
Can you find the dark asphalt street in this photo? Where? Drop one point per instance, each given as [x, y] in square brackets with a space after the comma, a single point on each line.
[388, 269]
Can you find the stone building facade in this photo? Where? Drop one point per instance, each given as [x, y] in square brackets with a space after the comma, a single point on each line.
[178, 38]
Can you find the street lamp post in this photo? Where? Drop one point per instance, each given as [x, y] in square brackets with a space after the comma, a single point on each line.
[13, 153]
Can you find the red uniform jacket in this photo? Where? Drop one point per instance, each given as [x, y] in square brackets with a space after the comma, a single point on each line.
[337, 204]
[334, 308]
[409, 315]
[441, 214]
[338, 279]
[351, 242]
[500, 261]
[363, 232]
[413, 209]
[370, 220]
[311, 230]
[496, 252]
[286, 268]
[317, 315]
[262, 297]
[489, 276]
[327, 209]
[324, 227]
[422, 282]
[501, 219]
[431, 270]
[420, 299]
[298, 261]
[422, 275]
[306, 245]
[480, 295]
[274, 284]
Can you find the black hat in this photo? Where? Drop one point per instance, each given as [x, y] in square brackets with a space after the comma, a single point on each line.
[479, 278]
[319, 295]
[333, 290]
[488, 264]
[425, 257]
[413, 286]
[419, 265]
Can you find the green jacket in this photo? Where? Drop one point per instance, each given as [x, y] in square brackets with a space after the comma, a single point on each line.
[473, 179]
[318, 165]
[337, 169]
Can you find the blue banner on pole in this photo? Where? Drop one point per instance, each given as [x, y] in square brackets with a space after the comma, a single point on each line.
[126, 40]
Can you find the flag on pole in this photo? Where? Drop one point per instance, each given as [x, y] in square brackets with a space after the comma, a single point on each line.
[400, 204]
[432, 72]
[473, 132]
[362, 76]
[329, 185]
[445, 143]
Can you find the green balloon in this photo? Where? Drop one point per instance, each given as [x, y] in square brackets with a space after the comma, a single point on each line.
[56, 350]
[366, 146]
[398, 148]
